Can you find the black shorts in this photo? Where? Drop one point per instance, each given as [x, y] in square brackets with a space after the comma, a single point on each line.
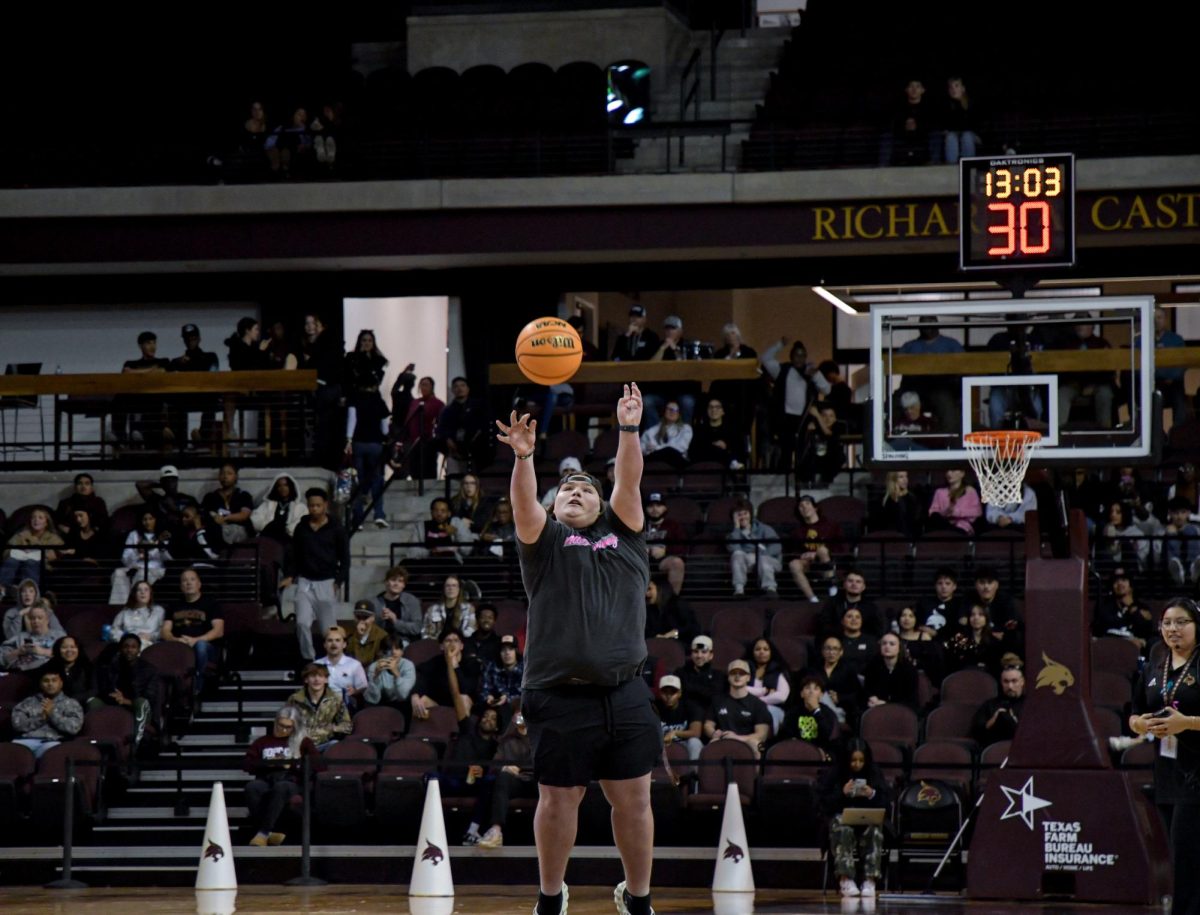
[583, 733]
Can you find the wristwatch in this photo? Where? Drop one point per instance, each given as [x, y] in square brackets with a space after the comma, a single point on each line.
[627, 428]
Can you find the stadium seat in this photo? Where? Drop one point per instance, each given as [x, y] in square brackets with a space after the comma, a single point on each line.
[437, 729]
[949, 760]
[1111, 690]
[779, 512]
[1114, 655]
[46, 802]
[422, 650]
[379, 724]
[112, 729]
[670, 653]
[17, 766]
[340, 799]
[969, 687]
[787, 797]
[711, 787]
[951, 721]
[890, 723]
[400, 786]
[795, 622]
[743, 623]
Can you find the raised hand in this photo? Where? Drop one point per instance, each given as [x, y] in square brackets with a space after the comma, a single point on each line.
[629, 407]
[521, 434]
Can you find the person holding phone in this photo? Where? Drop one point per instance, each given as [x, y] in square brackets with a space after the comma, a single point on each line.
[854, 781]
[1166, 705]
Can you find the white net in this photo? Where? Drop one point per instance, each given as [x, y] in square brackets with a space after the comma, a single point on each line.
[1000, 460]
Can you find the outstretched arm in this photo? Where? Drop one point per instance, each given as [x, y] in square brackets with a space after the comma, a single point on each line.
[627, 493]
[528, 515]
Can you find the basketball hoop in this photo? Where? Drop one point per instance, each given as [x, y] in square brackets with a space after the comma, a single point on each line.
[1000, 460]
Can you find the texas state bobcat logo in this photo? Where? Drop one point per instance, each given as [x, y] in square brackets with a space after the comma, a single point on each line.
[214, 851]
[928, 794]
[733, 852]
[1054, 675]
[432, 854]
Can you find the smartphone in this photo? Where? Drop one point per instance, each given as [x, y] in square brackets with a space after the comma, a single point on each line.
[1161, 713]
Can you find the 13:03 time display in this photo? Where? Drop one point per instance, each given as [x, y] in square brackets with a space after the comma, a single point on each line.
[1017, 211]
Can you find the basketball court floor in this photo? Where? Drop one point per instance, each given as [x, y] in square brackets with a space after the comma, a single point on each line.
[502, 900]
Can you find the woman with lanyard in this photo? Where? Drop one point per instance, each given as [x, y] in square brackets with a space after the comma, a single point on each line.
[1167, 706]
[585, 569]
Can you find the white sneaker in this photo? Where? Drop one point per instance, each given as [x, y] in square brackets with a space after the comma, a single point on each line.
[736, 465]
[1175, 569]
[563, 910]
[382, 524]
[493, 838]
[868, 887]
[619, 898]
[739, 592]
[814, 599]
[848, 887]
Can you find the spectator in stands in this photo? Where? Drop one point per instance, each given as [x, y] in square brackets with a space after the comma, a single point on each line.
[452, 613]
[668, 616]
[1083, 490]
[899, 510]
[83, 497]
[397, 611]
[443, 533]
[277, 350]
[1138, 496]
[484, 643]
[32, 648]
[1012, 516]
[501, 685]
[326, 128]
[1183, 543]
[367, 424]
[807, 716]
[29, 549]
[569, 464]
[366, 365]
[912, 420]
[474, 747]
[840, 397]
[368, 639]
[513, 770]
[83, 542]
[998, 717]
[197, 543]
[737, 715]
[433, 678]
[666, 541]
[668, 440]
[78, 673]
[822, 456]
[842, 686]
[1123, 543]
[325, 716]
[140, 616]
[1098, 387]
[228, 507]
[1010, 405]
[955, 506]
[254, 133]
[498, 537]
[198, 622]
[999, 606]
[346, 674]
[391, 678]
[854, 589]
[289, 144]
[464, 430]
[859, 645]
[974, 645]
[945, 606]
[194, 359]
[129, 681]
[682, 719]
[795, 391]
[769, 679]
[684, 393]
[960, 122]
[944, 405]
[737, 396]
[814, 541]
[1121, 614]
[165, 500]
[890, 676]
[1169, 381]
[318, 565]
[275, 762]
[1187, 487]
[323, 354]
[919, 644]
[278, 514]
[246, 349]
[717, 437]
[910, 138]
[413, 422]
[471, 504]
[637, 344]
[855, 781]
[701, 682]
[47, 718]
[144, 557]
[139, 417]
[15, 617]
[753, 545]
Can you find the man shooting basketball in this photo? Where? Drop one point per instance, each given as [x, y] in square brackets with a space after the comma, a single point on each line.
[588, 710]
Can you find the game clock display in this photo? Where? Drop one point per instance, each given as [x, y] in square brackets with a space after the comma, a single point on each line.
[1017, 212]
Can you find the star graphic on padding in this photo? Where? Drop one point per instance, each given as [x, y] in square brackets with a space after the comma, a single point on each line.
[1026, 800]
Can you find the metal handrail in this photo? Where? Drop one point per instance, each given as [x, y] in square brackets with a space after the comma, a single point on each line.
[686, 96]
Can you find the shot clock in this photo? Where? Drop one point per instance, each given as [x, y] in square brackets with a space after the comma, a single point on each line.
[1017, 212]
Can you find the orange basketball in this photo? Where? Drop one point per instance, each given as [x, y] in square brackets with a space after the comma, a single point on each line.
[549, 351]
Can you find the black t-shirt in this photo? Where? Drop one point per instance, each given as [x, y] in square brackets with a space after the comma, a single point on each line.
[1176, 781]
[195, 360]
[587, 605]
[470, 746]
[145, 363]
[484, 646]
[195, 618]
[738, 715]
[239, 501]
[679, 718]
[369, 413]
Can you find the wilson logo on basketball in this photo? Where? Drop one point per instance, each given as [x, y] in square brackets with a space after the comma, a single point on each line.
[556, 342]
[432, 854]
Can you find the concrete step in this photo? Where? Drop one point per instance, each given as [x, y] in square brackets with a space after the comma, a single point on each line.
[197, 775]
[168, 813]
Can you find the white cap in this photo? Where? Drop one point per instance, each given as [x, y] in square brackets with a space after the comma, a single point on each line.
[569, 463]
[670, 680]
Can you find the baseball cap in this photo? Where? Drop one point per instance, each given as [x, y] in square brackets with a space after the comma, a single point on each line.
[508, 640]
[654, 497]
[363, 609]
[670, 681]
[190, 330]
[702, 641]
[637, 311]
[169, 470]
[672, 321]
[569, 463]
[739, 664]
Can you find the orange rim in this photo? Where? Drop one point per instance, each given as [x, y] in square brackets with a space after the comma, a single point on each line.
[1006, 442]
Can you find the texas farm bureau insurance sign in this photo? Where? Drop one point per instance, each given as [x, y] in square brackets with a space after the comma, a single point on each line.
[1152, 216]
[1064, 844]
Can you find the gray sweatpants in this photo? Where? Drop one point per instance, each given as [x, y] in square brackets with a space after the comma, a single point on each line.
[315, 600]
